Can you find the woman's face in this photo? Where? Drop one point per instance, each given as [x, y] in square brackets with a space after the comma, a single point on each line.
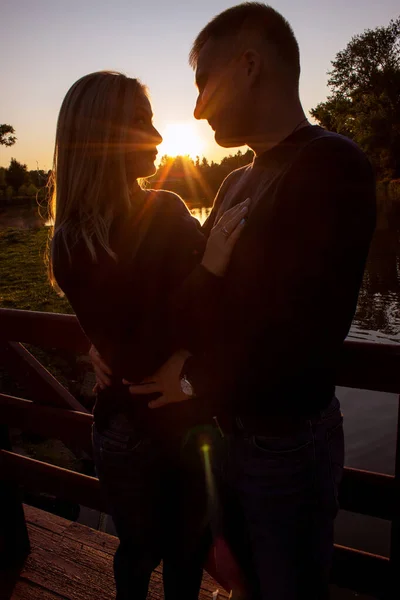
[142, 141]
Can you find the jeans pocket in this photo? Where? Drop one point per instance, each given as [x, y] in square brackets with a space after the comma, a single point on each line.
[284, 445]
[114, 452]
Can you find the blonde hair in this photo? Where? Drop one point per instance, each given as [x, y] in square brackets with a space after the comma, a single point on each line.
[89, 184]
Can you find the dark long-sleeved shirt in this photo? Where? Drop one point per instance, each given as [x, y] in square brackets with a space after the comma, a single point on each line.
[124, 306]
[291, 289]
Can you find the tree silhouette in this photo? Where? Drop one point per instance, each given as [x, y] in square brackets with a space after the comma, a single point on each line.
[16, 174]
[6, 135]
[365, 100]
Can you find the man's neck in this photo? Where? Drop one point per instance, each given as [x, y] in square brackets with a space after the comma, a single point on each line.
[269, 136]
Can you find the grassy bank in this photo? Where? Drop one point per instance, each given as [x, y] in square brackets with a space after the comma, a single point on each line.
[24, 282]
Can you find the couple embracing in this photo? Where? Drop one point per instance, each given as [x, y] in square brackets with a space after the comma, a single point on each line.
[216, 426]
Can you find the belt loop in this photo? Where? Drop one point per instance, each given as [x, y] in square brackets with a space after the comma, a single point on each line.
[239, 423]
[218, 427]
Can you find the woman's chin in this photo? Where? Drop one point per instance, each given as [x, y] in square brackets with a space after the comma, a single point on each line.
[146, 170]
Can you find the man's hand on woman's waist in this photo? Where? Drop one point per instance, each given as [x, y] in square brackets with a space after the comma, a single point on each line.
[166, 381]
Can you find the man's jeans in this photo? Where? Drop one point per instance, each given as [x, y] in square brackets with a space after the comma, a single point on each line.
[279, 500]
[156, 498]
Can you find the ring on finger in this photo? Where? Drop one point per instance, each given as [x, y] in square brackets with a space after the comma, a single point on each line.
[225, 232]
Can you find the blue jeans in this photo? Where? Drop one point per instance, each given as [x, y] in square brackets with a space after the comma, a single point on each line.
[279, 501]
[156, 498]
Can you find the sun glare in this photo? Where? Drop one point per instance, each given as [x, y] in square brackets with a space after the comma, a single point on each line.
[180, 139]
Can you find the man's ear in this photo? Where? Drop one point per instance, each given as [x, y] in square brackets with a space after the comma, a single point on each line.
[252, 63]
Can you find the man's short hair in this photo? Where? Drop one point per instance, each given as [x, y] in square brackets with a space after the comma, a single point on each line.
[260, 18]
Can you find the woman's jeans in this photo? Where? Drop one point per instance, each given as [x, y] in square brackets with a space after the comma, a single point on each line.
[155, 494]
[279, 501]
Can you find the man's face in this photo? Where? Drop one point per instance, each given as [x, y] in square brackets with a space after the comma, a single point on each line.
[225, 93]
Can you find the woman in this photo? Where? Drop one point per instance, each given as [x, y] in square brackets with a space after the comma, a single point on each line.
[118, 252]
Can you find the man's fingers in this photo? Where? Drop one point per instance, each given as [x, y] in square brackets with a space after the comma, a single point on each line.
[150, 379]
[145, 388]
[162, 401]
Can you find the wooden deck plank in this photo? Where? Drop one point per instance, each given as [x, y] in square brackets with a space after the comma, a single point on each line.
[25, 590]
[70, 561]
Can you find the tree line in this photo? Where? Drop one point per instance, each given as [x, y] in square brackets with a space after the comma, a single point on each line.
[17, 182]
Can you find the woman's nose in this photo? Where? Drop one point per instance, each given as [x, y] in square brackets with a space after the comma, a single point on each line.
[157, 136]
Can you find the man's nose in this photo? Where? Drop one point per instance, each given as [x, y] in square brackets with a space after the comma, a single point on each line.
[198, 112]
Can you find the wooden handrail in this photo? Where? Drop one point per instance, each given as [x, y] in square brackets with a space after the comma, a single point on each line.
[52, 330]
[364, 364]
[38, 476]
[370, 366]
[365, 492]
[70, 426]
[43, 386]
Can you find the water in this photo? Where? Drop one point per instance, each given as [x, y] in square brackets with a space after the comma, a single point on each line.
[21, 217]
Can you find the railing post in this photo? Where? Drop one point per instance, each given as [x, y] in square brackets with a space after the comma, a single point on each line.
[14, 539]
[395, 529]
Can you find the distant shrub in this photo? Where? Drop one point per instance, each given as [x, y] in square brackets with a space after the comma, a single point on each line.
[31, 190]
[394, 190]
[23, 190]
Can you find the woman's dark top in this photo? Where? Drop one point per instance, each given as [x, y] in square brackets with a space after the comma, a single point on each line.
[126, 307]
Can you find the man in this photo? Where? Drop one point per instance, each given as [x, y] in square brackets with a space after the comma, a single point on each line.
[287, 302]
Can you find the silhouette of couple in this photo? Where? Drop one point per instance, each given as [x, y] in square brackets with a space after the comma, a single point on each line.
[216, 427]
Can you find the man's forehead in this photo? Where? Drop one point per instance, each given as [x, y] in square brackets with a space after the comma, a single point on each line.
[213, 54]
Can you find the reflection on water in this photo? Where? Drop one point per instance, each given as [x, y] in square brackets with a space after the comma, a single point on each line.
[378, 316]
[21, 217]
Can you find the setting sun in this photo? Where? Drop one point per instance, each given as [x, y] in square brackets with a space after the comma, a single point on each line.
[180, 139]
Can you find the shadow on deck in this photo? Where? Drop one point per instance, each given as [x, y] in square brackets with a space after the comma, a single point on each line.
[70, 561]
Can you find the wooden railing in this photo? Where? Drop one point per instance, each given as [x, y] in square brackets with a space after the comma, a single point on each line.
[52, 411]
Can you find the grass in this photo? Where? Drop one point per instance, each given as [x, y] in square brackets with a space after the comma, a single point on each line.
[24, 283]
